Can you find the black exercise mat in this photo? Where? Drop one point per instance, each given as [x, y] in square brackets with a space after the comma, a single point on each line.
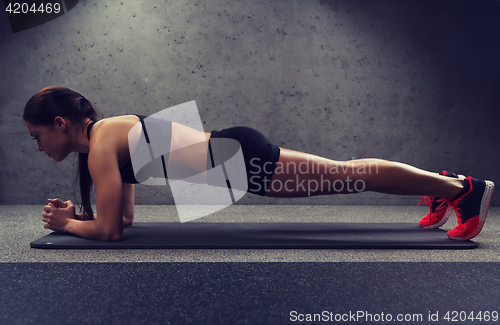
[264, 235]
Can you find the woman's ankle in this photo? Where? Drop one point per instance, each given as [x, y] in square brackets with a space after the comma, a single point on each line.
[457, 186]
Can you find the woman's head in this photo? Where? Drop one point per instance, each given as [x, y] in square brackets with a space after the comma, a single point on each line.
[49, 115]
[52, 114]
[50, 102]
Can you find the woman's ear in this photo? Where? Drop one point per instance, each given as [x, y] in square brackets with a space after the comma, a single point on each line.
[60, 123]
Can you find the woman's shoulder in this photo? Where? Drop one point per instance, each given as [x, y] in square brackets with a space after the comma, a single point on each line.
[113, 125]
[122, 118]
[111, 134]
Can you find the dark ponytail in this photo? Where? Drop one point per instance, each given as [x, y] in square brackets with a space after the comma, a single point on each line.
[54, 101]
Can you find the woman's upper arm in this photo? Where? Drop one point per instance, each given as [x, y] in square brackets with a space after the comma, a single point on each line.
[128, 202]
[103, 167]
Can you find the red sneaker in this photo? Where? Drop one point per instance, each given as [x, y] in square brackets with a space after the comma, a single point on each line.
[471, 208]
[439, 212]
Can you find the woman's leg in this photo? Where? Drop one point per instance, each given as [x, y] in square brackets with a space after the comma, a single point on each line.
[299, 174]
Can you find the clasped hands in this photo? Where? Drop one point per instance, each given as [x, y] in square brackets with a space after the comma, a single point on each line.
[57, 213]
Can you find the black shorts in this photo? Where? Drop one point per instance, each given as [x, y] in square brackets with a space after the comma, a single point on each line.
[259, 154]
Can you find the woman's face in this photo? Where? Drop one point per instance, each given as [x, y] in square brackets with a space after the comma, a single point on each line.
[53, 141]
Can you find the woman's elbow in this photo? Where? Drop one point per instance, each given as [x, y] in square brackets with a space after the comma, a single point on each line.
[113, 235]
[128, 220]
[116, 237]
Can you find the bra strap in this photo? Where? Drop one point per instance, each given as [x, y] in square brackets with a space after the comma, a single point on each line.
[88, 129]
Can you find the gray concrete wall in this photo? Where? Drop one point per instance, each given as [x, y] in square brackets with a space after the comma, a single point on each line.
[411, 81]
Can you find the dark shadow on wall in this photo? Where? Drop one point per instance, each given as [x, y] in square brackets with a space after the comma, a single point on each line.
[3, 186]
[461, 38]
[460, 44]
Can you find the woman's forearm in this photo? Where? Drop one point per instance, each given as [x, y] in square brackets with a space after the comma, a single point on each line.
[79, 216]
[88, 229]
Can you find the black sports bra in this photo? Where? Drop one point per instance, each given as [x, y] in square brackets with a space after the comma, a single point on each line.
[126, 172]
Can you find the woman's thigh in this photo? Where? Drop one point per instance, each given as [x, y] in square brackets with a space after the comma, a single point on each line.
[299, 174]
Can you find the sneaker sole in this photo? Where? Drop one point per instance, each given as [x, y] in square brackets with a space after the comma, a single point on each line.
[483, 210]
[445, 218]
[443, 221]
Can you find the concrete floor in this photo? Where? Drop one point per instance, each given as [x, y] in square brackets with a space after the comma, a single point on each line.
[185, 287]
[21, 224]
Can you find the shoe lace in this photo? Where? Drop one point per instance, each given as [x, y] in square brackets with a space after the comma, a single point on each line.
[454, 205]
[428, 200]
[432, 201]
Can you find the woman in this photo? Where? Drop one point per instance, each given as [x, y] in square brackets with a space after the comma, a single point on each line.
[63, 121]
